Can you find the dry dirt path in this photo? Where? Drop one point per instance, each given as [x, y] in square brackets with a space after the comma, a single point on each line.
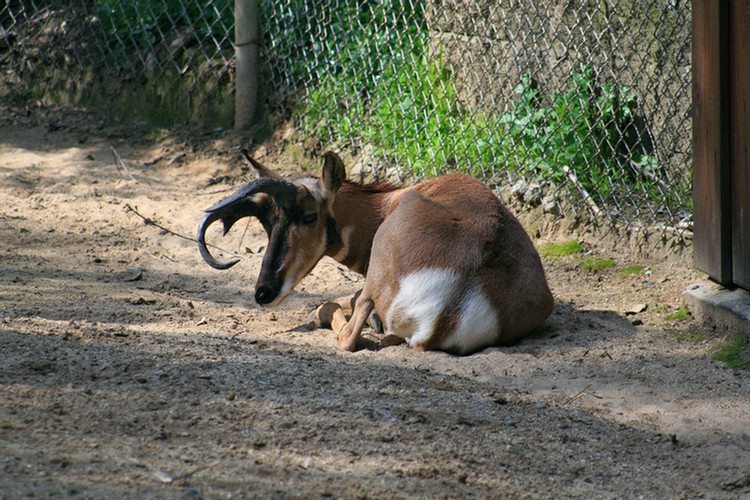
[130, 369]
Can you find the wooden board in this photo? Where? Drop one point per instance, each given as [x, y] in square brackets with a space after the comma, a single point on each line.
[711, 175]
[739, 111]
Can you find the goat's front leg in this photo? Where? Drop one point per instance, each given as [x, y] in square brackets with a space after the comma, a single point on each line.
[347, 303]
[333, 314]
[350, 331]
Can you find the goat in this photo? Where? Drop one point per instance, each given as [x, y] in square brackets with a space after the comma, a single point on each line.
[447, 265]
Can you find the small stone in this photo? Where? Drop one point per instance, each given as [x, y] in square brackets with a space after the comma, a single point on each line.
[635, 309]
[133, 275]
[533, 194]
[190, 493]
[519, 189]
[549, 205]
[501, 400]
[163, 476]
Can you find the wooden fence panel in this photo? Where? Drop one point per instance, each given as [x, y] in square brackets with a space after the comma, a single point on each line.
[711, 175]
[739, 110]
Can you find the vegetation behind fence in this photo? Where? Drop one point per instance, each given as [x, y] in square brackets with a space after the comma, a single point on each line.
[586, 103]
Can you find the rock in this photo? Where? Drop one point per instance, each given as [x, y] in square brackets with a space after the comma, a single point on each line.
[519, 190]
[533, 195]
[549, 205]
[635, 309]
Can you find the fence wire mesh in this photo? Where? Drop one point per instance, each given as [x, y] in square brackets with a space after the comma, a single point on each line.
[162, 58]
[582, 107]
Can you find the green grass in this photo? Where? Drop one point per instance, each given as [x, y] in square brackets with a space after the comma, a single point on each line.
[632, 270]
[691, 336]
[682, 314]
[735, 353]
[414, 113]
[585, 126]
[595, 264]
[557, 250]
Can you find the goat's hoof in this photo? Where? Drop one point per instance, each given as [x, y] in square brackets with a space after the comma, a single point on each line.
[324, 314]
[347, 345]
[391, 340]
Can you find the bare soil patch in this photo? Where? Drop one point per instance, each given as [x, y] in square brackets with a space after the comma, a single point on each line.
[130, 369]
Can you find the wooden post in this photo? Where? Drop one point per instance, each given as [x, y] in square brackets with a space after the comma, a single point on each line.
[739, 103]
[712, 252]
[247, 58]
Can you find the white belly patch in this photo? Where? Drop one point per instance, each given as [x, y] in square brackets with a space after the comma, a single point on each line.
[477, 324]
[421, 297]
[425, 294]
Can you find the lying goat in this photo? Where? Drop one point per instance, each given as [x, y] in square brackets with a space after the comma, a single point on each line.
[448, 267]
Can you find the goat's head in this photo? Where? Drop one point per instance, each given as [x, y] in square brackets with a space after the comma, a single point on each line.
[297, 216]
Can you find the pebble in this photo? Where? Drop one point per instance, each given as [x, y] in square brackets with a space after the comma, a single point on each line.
[635, 309]
[549, 205]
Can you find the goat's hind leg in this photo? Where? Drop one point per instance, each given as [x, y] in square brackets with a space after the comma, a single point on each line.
[330, 315]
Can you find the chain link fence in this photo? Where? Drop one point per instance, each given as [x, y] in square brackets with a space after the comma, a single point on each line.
[162, 60]
[582, 108]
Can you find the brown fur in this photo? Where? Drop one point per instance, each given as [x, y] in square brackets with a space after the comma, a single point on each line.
[359, 207]
[453, 223]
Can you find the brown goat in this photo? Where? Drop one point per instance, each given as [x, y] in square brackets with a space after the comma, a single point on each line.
[448, 266]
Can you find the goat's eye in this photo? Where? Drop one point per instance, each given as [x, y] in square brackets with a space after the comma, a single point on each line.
[310, 219]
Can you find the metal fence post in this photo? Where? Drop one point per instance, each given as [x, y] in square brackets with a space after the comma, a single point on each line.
[246, 54]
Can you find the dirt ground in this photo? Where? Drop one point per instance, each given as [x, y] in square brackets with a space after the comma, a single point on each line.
[131, 369]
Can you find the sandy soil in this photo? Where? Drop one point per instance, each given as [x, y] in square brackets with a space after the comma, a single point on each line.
[130, 369]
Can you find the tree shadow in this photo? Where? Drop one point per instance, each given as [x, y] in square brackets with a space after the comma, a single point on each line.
[284, 419]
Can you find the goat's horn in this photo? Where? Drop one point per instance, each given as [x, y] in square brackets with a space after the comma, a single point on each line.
[239, 205]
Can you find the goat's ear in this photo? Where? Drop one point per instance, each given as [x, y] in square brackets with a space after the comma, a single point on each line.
[260, 169]
[333, 175]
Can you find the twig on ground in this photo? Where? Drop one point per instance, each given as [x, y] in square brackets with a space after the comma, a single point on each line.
[578, 395]
[120, 163]
[152, 222]
[197, 470]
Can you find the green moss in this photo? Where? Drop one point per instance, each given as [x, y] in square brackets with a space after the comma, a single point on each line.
[629, 271]
[682, 314]
[660, 308]
[557, 250]
[693, 337]
[597, 263]
[734, 353]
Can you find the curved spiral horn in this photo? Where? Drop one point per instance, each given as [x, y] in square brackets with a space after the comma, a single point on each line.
[242, 204]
